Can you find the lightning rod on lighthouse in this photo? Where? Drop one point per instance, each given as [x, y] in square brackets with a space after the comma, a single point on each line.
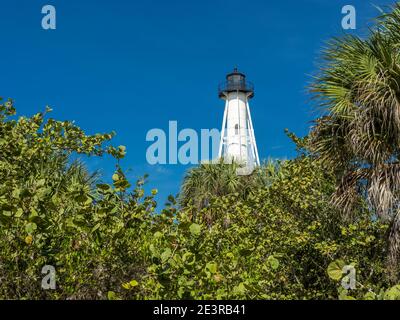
[238, 142]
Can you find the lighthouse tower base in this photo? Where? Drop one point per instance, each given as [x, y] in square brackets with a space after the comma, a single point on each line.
[245, 171]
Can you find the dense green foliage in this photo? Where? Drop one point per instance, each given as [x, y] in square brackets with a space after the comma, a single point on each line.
[359, 135]
[276, 234]
[109, 241]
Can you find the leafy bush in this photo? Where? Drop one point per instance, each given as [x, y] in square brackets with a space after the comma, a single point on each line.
[52, 213]
[107, 241]
[275, 244]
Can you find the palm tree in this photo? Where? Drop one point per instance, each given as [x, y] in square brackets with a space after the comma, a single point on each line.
[207, 180]
[65, 178]
[358, 88]
[218, 179]
[65, 174]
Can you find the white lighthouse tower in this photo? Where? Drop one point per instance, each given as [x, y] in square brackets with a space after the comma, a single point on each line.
[238, 142]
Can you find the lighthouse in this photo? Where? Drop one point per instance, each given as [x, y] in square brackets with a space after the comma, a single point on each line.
[238, 142]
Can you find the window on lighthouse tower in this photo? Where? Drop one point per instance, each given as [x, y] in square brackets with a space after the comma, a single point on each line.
[236, 129]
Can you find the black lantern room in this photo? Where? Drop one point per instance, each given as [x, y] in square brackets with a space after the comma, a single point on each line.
[236, 82]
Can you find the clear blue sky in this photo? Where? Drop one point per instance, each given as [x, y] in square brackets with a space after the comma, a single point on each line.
[131, 66]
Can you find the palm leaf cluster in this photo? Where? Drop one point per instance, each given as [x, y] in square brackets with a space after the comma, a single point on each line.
[209, 180]
[358, 88]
